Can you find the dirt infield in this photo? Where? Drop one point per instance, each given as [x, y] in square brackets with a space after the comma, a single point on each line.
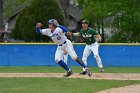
[107, 76]
[126, 89]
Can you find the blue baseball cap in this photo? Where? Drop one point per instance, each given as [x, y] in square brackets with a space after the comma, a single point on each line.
[51, 21]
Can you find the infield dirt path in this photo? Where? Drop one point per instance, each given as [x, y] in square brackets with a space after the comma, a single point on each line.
[108, 76]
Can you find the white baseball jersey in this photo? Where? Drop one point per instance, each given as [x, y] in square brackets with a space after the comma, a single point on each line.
[64, 44]
[57, 36]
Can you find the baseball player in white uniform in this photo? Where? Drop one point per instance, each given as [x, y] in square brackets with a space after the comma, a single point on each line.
[58, 36]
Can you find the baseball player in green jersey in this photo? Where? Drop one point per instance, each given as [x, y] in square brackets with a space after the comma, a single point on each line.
[91, 38]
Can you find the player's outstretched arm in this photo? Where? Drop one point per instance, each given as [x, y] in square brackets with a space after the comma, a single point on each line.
[76, 34]
[65, 30]
[98, 38]
[39, 29]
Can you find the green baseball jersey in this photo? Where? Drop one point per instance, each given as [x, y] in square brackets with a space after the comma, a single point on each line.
[88, 35]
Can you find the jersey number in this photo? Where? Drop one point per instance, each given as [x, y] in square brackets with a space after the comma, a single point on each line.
[58, 37]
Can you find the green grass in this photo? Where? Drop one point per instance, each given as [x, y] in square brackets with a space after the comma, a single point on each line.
[57, 85]
[51, 69]
[60, 85]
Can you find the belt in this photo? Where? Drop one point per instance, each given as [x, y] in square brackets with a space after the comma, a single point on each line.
[91, 43]
[63, 43]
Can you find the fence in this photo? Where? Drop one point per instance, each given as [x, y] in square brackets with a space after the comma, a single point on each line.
[43, 55]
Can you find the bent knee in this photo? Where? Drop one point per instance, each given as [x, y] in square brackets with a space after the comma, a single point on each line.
[57, 60]
[84, 58]
[74, 57]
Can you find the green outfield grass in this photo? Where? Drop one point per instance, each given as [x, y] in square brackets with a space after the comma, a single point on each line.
[57, 85]
[60, 85]
[53, 69]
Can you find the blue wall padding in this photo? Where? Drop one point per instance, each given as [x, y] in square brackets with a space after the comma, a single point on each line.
[43, 55]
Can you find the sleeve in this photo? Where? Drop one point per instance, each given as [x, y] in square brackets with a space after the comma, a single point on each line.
[38, 30]
[80, 33]
[45, 31]
[64, 29]
[94, 32]
[42, 31]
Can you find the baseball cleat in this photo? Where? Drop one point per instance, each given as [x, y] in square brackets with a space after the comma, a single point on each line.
[82, 73]
[68, 73]
[102, 70]
[89, 72]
